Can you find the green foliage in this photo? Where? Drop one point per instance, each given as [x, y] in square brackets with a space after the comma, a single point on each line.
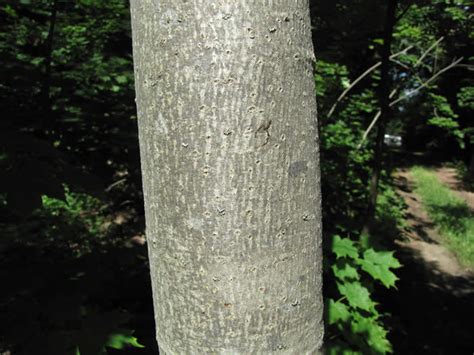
[69, 92]
[353, 314]
[378, 265]
[100, 332]
[77, 209]
[449, 212]
[344, 247]
[439, 33]
[329, 79]
[390, 215]
[80, 331]
[466, 97]
[445, 119]
[344, 173]
[59, 299]
[75, 224]
[120, 341]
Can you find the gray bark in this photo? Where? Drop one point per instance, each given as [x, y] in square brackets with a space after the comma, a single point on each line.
[229, 151]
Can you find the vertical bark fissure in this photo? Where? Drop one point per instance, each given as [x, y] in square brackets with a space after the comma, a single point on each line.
[230, 163]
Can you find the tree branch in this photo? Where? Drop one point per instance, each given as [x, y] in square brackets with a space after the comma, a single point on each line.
[363, 75]
[399, 17]
[372, 124]
[377, 116]
[418, 62]
[450, 66]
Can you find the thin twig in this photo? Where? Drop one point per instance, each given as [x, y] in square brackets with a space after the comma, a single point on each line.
[372, 124]
[400, 64]
[468, 66]
[399, 17]
[118, 182]
[418, 62]
[363, 75]
[377, 116]
[450, 66]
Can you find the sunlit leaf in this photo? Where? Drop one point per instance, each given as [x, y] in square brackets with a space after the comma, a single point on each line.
[373, 332]
[378, 265]
[122, 340]
[357, 295]
[343, 271]
[344, 247]
[337, 311]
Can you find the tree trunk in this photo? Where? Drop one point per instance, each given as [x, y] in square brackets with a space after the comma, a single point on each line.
[471, 163]
[229, 151]
[46, 81]
[384, 100]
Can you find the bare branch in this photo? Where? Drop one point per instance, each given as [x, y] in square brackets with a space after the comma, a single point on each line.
[118, 182]
[377, 116]
[374, 121]
[418, 62]
[423, 85]
[363, 75]
[399, 17]
[467, 66]
[400, 64]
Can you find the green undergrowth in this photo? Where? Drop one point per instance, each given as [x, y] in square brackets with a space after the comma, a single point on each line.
[450, 213]
[353, 316]
[389, 220]
[466, 177]
[354, 270]
[68, 292]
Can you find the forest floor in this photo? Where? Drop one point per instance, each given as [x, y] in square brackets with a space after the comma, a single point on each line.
[433, 309]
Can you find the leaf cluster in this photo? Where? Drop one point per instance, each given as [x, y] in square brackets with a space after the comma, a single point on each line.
[353, 315]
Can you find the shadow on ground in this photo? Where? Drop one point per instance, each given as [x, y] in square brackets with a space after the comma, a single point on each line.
[432, 312]
[433, 309]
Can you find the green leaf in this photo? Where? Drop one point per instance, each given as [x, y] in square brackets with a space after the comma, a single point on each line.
[343, 270]
[337, 311]
[98, 330]
[373, 332]
[344, 247]
[378, 263]
[121, 340]
[357, 295]
[121, 79]
[340, 348]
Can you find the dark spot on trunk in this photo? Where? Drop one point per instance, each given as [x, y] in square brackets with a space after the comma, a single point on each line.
[297, 168]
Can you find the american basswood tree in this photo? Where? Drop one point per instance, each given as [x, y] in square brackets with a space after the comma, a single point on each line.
[229, 150]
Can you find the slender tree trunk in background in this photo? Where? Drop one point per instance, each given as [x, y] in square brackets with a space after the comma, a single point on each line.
[384, 100]
[229, 150]
[471, 163]
[46, 82]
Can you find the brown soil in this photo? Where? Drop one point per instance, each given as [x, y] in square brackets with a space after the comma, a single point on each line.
[433, 309]
[421, 234]
[448, 176]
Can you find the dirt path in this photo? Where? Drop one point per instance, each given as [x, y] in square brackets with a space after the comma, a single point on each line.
[433, 310]
[448, 176]
[421, 234]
